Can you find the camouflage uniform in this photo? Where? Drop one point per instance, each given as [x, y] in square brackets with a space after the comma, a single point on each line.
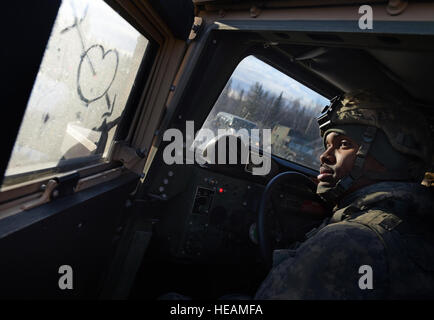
[387, 225]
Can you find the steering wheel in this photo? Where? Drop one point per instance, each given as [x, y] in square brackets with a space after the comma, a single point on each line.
[264, 232]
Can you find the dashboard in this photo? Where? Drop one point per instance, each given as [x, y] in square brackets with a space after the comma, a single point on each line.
[207, 213]
[209, 217]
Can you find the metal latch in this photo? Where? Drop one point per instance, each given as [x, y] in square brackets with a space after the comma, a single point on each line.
[46, 196]
[66, 184]
[57, 187]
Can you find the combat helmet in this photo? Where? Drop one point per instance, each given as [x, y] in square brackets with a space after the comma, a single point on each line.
[388, 129]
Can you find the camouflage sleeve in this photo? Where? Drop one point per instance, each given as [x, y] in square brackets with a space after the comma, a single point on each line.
[326, 266]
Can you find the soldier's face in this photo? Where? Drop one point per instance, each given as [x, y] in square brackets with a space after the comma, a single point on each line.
[338, 158]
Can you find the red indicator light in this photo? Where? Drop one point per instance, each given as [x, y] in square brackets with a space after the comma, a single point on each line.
[221, 190]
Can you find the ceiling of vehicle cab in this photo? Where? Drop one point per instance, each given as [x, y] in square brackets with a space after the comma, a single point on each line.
[360, 62]
[402, 72]
[413, 70]
[400, 63]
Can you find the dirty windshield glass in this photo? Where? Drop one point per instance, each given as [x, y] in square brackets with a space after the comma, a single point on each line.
[259, 96]
[84, 80]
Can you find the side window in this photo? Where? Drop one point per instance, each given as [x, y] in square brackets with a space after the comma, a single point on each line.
[81, 90]
[259, 96]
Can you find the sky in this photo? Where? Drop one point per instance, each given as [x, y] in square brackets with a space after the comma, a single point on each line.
[251, 70]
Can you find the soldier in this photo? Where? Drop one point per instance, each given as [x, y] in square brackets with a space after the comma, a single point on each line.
[379, 242]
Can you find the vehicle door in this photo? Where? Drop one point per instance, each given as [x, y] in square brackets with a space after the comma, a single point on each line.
[89, 83]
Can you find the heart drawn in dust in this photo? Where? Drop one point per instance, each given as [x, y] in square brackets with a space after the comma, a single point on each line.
[96, 72]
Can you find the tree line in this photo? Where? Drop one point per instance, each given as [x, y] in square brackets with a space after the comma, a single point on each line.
[267, 109]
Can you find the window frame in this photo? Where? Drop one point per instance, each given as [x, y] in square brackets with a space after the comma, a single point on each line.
[143, 18]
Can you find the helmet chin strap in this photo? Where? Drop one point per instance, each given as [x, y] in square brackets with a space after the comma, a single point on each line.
[334, 193]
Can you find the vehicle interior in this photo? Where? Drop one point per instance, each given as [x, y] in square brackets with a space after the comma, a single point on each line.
[131, 225]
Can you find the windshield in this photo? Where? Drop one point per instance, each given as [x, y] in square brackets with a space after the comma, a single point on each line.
[260, 96]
